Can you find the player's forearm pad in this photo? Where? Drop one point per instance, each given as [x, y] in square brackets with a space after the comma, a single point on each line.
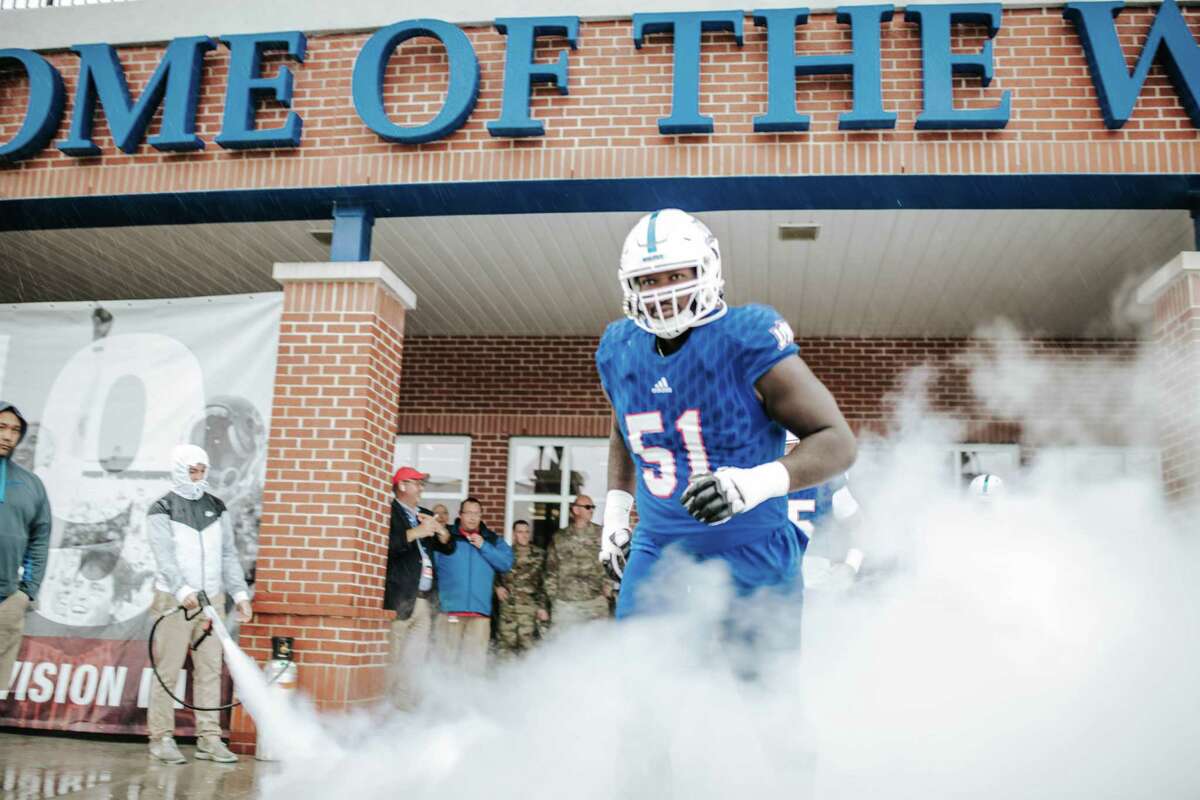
[617, 505]
[758, 484]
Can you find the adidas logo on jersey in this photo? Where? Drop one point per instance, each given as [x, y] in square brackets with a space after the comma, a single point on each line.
[662, 387]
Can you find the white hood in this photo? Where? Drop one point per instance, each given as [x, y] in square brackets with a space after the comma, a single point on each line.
[184, 456]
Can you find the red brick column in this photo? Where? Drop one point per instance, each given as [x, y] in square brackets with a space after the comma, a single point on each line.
[1174, 292]
[323, 541]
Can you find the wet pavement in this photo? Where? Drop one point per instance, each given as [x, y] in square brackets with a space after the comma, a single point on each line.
[34, 767]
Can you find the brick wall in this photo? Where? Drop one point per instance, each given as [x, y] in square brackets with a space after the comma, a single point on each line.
[338, 364]
[323, 538]
[492, 388]
[606, 127]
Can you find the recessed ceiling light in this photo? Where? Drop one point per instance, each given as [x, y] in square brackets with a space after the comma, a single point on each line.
[799, 232]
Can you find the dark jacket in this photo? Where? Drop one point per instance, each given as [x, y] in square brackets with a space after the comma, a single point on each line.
[404, 563]
[466, 577]
[24, 523]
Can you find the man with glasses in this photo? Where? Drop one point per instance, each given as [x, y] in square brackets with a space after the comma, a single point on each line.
[576, 584]
[466, 580]
[410, 587]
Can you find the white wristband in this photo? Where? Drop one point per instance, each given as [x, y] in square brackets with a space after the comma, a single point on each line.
[763, 482]
[775, 477]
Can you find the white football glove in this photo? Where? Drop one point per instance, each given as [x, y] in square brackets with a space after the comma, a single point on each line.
[714, 498]
[616, 536]
[821, 574]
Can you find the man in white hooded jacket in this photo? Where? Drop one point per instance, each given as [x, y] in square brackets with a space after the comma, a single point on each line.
[192, 539]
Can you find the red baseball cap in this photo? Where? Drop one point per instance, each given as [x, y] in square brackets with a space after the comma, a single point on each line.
[408, 474]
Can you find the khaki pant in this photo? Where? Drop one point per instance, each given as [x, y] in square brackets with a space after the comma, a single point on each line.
[463, 642]
[568, 614]
[410, 650]
[171, 642]
[12, 626]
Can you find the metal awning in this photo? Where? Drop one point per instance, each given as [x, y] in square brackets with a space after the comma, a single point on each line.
[869, 273]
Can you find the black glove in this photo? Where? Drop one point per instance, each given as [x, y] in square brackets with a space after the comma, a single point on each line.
[706, 499]
[614, 552]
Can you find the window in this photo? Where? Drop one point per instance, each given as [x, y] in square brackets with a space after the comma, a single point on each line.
[877, 463]
[1099, 463]
[447, 459]
[969, 460]
[544, 475]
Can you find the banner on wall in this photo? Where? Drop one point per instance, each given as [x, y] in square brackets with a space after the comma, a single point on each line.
[108, 389]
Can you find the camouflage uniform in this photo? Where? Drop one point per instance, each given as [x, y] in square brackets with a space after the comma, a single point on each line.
[575, 580]
[517, 616]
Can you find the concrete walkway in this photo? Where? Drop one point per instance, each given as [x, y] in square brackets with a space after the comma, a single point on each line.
[33, 767]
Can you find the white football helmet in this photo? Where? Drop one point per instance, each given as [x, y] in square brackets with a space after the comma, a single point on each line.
[667, 240]
[986, 487]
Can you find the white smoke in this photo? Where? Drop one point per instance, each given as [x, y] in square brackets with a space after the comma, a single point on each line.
[1062, 397]
[1040, 646]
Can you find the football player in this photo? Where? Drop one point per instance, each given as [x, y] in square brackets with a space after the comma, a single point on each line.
[703, 396]
[985, 488]
[825, 517]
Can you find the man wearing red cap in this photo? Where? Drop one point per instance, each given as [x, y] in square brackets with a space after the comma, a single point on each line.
[410, 588]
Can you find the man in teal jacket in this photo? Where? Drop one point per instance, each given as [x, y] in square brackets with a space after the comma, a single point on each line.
[24, 539]
[465, 581]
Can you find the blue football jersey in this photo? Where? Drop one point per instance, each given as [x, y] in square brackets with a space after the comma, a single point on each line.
[811, 508]
[696, 411]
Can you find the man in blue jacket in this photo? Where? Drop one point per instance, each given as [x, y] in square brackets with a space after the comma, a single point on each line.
[24, 539]
[465, 580]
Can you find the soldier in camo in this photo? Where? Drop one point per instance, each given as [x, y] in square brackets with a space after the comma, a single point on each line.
[576, 586]
[522, 596]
